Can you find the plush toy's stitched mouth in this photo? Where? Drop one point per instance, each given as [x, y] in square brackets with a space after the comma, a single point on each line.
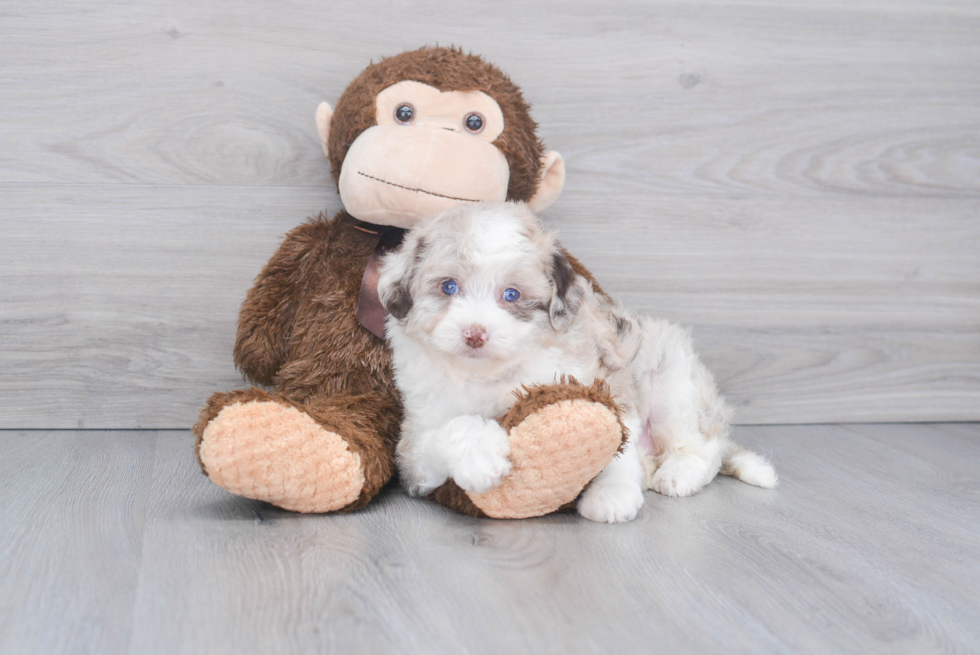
[408, 188]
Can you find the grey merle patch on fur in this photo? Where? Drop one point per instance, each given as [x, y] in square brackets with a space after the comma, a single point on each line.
[421, 247]
[399, 302]
[562, 273]
[566, 301]
[622, 326]
[525, 310]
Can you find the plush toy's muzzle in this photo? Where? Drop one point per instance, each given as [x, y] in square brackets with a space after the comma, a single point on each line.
[398, 175]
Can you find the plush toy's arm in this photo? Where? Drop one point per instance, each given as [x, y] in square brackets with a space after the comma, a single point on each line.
[561, 436]
[265, 320]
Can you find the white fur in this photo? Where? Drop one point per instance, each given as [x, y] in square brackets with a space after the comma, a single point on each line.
[677, 421]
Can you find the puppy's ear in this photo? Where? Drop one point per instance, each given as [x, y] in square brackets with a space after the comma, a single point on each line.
[398, 302]
[567, 291]
[395, 277]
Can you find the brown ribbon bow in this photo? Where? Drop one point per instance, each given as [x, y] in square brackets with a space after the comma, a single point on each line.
[370, 312]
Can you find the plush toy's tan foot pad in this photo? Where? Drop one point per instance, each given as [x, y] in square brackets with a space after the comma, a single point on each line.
[278, 454]
[555, 452]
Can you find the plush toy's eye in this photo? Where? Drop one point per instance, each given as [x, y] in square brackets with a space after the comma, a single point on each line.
[510, 295]
[405, 113]
[450, 288]
[474, 122]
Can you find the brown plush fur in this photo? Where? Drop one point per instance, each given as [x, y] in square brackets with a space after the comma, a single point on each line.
[447, 69]
[452, 496]
[537, 396]
[298, 329]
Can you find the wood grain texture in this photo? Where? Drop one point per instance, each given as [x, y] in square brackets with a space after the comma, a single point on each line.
[800, 184]
[120, 302]
[73, 511]
[724, 97]
[870, 544]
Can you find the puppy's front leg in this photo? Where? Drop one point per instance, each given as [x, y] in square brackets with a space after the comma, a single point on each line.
[478, 450]
[616, 494]
[471, 450]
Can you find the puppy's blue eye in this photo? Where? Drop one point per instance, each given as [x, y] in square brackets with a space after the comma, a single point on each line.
[450, 288]
[510, 295]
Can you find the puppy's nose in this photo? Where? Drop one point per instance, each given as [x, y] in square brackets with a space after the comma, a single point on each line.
[475, 336]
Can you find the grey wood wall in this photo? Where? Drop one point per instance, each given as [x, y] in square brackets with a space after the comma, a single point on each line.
[799, 182]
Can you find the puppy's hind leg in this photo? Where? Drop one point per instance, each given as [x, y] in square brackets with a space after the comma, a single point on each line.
[686, 417]
[684, 473]
[616, 494]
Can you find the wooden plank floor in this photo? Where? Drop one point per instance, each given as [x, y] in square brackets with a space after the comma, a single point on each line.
[114, 542]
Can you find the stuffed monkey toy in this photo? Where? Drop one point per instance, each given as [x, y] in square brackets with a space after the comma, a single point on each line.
[411, 136]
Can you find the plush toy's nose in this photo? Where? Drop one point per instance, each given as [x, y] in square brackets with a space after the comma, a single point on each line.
[394, 175]
[475, 336]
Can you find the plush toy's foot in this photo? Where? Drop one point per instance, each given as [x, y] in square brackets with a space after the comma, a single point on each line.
[269, 451]
[561, 437]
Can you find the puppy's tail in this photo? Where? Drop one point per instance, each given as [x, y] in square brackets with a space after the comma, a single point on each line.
[748, 467]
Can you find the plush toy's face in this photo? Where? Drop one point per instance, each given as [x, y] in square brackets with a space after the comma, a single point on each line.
[417, 150]
[429, 151]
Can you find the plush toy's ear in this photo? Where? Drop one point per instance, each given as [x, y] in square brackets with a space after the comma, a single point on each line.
[551, 183]
[395, 278]
[323, 115]
[567, 290]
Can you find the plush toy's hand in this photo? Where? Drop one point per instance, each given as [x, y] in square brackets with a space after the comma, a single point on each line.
[561, 436]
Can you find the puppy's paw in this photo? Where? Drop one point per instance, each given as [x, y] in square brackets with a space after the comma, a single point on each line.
[425, 485]
[480, 452]
[680, 475]
[611, 503]
[480, 476]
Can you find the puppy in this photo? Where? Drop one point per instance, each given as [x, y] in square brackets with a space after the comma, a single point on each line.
[482, 300]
